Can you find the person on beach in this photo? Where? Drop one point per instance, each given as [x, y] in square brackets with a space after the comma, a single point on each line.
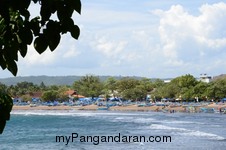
[220, 110]
[157, 109]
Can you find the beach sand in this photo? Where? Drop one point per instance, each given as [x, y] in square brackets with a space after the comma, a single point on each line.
[89, 107]
[117, 108]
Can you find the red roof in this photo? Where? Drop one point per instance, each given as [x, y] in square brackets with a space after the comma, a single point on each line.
[73, 93]
[36, 94]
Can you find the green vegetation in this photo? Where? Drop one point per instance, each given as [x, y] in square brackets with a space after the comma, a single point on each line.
[18, 30]
[184, 88]
[188, 88]
[5, 107]
[89, 86]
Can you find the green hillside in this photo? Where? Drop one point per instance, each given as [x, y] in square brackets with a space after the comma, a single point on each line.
[51, 80]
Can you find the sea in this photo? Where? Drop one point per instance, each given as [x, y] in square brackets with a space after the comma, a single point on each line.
[113, 130]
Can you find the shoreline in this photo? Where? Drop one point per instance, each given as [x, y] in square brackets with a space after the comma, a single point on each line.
[123, 108]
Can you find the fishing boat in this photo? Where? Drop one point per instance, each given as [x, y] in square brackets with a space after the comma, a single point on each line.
[102, 108]
[207, 110]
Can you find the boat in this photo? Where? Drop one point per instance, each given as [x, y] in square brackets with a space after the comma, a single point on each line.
[141, 105]
[224, 111]
[207, 110]
[33, 105]
[102, 108]
[190, 109]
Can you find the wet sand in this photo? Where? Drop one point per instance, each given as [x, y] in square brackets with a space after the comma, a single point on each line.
[117, 108]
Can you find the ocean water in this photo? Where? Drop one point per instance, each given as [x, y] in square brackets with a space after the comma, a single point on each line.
[46, 130]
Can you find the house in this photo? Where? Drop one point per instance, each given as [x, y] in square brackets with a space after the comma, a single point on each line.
[73, 94]
[205, 78]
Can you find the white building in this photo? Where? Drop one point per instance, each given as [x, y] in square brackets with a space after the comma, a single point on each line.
[167, 81]
[205, 78]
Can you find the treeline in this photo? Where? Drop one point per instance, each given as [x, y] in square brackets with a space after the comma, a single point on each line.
[188, 88]
[184, 87]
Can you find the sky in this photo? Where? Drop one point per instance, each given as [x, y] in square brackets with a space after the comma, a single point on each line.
[153, 39]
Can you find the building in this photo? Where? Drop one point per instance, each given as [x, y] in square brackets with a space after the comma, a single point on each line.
[74, 94]
[205, 78]
[167, 80]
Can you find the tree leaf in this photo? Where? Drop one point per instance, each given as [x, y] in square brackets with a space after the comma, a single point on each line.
[25, 4]
[52, 33]
[34, 26]
[12, 67]
[45, 10]
[78, 6]
[23, 49]
[2, 125]
[40, 44]
[75, 31]
[18, 38]
[15, 4]
[2, 61]
[52, 6]
[25, 13]
[35, 1]
[66, 25]
[5, 109]
[12, 49]
[53, 43]
[60, 11]
[28, 37]
[75, 4]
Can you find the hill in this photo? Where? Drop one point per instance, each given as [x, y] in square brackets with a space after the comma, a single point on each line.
[47, 80]
[51, 80]
[222, 76]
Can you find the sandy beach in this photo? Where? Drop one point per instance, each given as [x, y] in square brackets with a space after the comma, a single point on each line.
[119, 108]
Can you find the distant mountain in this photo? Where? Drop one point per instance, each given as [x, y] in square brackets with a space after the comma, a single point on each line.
[219, 77]
[51, 80]
[47, 80]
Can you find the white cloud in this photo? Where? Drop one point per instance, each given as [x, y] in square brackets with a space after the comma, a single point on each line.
[33, 58]
[183, 34]
[70, 48]
[71, 53]
[110, 48]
